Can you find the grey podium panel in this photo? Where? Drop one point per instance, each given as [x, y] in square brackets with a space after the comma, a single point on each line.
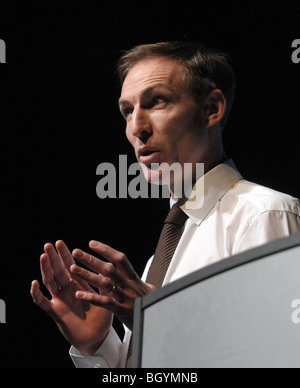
[237, 313]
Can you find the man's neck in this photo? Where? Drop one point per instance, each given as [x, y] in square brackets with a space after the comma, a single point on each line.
[180, 190]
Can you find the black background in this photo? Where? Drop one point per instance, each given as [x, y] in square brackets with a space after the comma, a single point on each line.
[60, 120]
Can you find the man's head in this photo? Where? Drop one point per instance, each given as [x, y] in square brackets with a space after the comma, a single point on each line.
[204, 69]
[176, 98]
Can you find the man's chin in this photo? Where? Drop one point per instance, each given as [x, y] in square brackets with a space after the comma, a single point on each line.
[152, 175]
[157, 174]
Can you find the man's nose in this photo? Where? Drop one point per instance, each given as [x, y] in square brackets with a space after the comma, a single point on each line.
[140, 124]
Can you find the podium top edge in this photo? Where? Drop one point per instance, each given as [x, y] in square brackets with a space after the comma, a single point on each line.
[221, 266]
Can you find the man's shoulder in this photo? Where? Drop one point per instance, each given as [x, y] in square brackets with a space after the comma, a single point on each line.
[261, 198]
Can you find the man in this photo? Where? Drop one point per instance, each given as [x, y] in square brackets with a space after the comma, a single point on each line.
[176, 98]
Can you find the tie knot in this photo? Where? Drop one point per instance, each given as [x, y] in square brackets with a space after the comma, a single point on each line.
[176, 216]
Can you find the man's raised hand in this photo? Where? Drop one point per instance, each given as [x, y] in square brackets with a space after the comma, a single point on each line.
[116, 280]
[84, 325]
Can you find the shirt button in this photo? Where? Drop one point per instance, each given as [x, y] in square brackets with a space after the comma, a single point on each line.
[97, 366]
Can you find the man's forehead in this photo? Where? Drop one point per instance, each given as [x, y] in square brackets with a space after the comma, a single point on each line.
[148, 72]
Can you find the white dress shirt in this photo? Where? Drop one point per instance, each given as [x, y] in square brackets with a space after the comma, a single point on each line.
[232, 216]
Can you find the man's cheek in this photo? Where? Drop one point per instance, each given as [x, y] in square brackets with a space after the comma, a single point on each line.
[170, 130]
[130, 138]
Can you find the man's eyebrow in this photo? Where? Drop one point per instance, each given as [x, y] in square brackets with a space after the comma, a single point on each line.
[146, 92]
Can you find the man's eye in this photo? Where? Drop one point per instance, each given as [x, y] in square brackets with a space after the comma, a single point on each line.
[127, 112]
[158, 100]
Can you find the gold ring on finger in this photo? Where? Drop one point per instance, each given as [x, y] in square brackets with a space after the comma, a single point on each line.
[114, 288]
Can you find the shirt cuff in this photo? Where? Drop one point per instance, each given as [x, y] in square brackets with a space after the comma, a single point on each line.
[107, 356]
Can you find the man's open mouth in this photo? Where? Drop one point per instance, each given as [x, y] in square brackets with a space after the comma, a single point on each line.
[148, 155]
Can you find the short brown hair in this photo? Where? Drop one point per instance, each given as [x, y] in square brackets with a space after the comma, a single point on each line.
[205, 69]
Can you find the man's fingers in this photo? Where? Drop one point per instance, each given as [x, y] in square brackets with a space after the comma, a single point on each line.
[81, 284]
[38, 297]
[48, 274]
[64, 253]
[89, 260]
[99, 300]
[99, 266]
[105, 285]
[58, 267]
[93, 279]
[119, 259]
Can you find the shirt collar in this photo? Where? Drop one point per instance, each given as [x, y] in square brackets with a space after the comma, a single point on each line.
[209, 189]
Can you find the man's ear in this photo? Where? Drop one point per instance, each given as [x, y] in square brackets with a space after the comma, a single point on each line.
[215, 107]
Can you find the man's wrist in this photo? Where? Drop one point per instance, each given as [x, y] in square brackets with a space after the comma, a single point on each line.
[92, 349]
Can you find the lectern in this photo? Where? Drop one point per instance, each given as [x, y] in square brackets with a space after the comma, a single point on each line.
[237, 313]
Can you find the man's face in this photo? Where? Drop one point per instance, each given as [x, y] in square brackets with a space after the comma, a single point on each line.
[163, 121]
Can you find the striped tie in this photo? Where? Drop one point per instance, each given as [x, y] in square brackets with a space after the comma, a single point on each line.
[166, 246]
[164, 252]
